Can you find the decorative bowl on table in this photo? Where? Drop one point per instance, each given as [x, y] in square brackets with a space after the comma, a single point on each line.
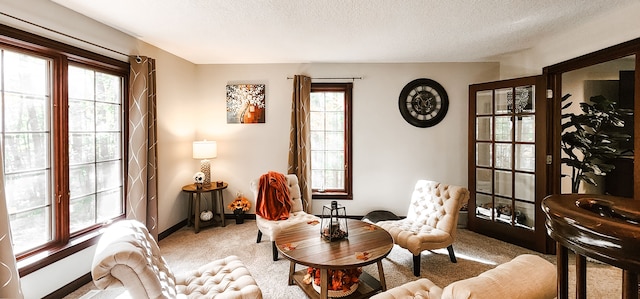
[341, 283]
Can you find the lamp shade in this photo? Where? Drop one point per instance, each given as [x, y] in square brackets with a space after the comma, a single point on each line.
[205, 149]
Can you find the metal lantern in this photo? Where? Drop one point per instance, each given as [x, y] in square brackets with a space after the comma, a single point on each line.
[334, 222]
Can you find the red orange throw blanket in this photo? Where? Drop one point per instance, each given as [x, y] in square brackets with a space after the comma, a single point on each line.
[274, 200]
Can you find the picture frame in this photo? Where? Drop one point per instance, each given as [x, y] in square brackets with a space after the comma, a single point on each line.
[245, 103]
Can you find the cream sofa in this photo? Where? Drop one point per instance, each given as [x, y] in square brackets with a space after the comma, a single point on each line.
[525, 277]
[127, 256]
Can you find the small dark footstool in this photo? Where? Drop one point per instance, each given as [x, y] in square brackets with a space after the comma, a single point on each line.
[379, 215]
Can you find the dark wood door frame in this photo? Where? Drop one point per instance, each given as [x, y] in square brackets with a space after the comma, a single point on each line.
[554, 83]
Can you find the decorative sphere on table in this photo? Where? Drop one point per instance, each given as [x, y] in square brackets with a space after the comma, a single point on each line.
[206, 215]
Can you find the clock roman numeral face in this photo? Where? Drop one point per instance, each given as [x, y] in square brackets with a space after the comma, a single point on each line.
[423, 103]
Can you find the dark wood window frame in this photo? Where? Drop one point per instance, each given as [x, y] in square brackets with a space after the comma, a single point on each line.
[347, 88]
[64, 244]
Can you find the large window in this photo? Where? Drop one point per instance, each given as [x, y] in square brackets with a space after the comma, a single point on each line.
[331, 140]
[61, 135]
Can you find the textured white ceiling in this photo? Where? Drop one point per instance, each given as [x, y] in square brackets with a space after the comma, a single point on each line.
[358, 31]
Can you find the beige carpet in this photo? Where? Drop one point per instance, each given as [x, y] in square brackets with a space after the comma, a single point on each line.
[476, 253]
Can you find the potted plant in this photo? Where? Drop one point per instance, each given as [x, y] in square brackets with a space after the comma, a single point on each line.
[592, 139]
[239, 206]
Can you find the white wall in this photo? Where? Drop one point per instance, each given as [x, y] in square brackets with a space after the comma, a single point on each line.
[389, 155]
[616, 26]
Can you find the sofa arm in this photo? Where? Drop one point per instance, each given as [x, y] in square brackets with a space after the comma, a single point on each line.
[421, 288]
[526, 276]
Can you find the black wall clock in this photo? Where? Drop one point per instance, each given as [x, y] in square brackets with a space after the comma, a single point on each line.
[423, 103]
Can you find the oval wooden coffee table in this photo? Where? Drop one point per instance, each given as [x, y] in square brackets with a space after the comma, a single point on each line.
[366, 244]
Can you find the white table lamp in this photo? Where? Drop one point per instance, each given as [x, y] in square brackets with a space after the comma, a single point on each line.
[205, 150]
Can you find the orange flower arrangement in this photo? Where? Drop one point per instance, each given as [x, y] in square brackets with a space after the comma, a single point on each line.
[339, 280]
[240, 203]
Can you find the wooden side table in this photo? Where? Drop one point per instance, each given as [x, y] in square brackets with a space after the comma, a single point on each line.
[217, 204]
[602, 227]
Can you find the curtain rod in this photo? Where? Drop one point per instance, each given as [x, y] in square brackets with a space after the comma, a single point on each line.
[64, 34]
[335, 78]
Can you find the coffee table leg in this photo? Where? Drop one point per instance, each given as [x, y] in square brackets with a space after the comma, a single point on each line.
[383, 282]
[324, 285]
[292, 269]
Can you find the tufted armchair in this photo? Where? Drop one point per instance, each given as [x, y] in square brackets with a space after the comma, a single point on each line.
[272, 228]
[504, 281]
[128, 256]
[431, 220]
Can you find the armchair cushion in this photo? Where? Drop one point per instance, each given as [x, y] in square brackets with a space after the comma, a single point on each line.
[272, 228]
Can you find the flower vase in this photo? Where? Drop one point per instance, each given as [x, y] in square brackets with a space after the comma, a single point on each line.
[239, 213]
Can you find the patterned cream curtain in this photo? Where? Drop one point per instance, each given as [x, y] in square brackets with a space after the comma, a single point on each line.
[299, 137]
[142, 184]
[9, 278]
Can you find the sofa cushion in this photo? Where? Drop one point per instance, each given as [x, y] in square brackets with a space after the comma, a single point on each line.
[223, 278]
[418, 289]
[526, 276]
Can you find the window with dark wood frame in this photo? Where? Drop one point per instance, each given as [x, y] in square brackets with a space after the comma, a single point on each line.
[64, 111]
[331, 171]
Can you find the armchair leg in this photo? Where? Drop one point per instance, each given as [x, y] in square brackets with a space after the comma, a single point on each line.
[275, 250]
[452, 255]
[416, 265]
[259, 237]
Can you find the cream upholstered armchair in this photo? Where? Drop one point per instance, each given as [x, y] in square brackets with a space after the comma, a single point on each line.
[128, 256]
[431, 221]
[271, 228]
[525, 277]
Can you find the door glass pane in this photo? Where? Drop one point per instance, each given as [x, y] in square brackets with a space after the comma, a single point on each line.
[525, 186]
[484, 102]
[502, 101]
[484, 180]
[503, 156]
[503, 183]
[483, 128]
[525, 128]
[524, 101]
[483, 154]
[525, 215]
[503, 128]
[503, 210]
[484, 206]
[525, 157]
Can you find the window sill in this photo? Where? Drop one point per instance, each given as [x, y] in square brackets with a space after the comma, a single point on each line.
[332, 195]
[47, 257]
